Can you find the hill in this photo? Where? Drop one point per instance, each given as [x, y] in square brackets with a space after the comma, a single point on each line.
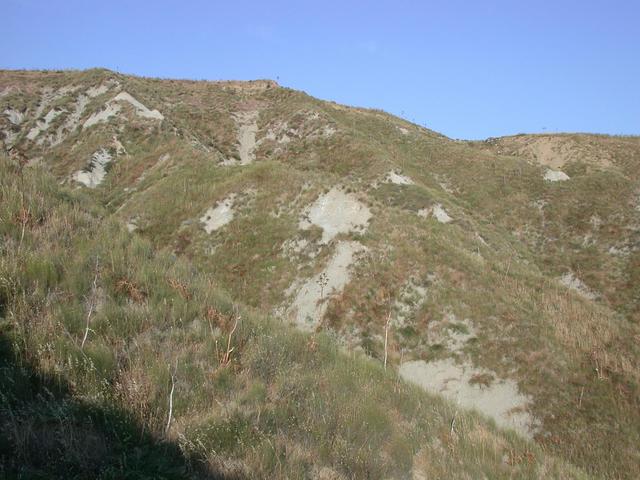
[501, 275]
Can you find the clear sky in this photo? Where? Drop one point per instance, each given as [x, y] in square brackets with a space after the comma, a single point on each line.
[469, 69]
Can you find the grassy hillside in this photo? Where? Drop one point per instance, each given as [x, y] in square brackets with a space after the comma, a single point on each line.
[100, 333]
[466, 257]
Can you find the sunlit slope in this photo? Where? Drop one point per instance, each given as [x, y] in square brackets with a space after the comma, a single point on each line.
[509, 265]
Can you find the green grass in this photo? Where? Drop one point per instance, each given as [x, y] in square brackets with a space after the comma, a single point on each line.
[529, 328]
[286, 405]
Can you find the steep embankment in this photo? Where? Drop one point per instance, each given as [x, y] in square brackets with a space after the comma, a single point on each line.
[485, 271]
[120, 361]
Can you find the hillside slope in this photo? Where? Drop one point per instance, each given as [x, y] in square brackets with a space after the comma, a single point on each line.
[119, 362]
[501, 274]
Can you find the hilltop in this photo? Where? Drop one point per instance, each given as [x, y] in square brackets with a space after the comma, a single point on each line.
[499, 275]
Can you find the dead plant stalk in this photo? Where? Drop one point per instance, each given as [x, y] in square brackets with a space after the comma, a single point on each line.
[92, 305]
[386, 339]
[226, 359]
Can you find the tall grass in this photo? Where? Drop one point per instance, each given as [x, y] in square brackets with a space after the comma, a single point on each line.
[575, 359]
[258, 401]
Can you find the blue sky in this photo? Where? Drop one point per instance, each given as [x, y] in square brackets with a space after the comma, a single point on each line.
[469, 69]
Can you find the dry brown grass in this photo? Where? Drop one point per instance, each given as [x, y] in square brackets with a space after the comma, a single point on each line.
[544, 338]
[180, 287]
[130, 289]
[592, 331]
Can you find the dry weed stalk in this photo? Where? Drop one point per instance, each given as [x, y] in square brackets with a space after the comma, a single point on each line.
[312, 344]
[224, 359]
[173, 386]
[386, 299]
[181, 288]
[386, 338]
[23, 217]
[93, 302]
